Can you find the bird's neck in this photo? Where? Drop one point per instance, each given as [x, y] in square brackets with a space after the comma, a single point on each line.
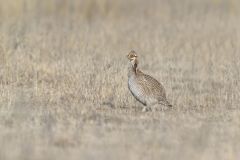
[132, 68]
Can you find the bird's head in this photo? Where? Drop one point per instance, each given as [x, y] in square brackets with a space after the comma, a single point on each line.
[132, 56]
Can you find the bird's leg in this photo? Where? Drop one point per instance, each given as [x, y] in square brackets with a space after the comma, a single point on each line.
[146, 109]
[156, 107]
[153, 105]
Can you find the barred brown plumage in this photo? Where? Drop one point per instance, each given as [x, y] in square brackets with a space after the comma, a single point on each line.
[144, 88]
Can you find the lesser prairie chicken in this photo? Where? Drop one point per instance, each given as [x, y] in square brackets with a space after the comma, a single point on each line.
[143, 87]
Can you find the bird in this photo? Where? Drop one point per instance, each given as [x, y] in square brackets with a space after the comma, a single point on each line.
[143, 87]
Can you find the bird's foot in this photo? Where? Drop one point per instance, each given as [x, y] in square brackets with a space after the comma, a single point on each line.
[146, 109]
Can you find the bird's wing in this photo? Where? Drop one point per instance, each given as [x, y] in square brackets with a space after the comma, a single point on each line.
[156, 88]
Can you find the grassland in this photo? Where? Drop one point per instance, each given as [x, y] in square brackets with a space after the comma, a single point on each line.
[63, 79]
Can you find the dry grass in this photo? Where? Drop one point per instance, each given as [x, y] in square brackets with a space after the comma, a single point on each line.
[63, 79]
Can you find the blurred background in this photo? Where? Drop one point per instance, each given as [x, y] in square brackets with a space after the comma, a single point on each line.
[107, 9]
[63, 79]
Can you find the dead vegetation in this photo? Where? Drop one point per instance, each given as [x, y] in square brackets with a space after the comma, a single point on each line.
[63, 79]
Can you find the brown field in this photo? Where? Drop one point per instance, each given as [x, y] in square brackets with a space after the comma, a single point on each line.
[63, 79]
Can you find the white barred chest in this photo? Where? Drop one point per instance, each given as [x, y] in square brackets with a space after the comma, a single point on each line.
[137, 90]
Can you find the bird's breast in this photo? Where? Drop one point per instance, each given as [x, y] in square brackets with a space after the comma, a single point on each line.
[136, 89]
